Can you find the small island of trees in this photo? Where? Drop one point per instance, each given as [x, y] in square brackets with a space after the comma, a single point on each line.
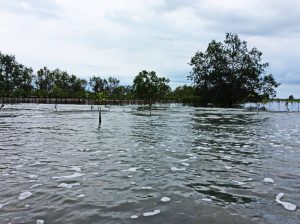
[225, 74]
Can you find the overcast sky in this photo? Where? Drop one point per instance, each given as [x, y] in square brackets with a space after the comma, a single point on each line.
[122, 37]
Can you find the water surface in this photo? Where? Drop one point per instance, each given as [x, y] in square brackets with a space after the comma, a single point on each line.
[210, 163]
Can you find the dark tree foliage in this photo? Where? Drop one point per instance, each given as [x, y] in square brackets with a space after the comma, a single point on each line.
[15, 78]
[58, 83]
[186, 94]
[98, 84]
[228, 73]
[148, 86]
[110, 88]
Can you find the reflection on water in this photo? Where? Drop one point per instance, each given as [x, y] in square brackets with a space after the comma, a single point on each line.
[211, 163]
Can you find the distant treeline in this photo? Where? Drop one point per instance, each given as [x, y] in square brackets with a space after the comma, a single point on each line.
[226, 74]
[18, 80]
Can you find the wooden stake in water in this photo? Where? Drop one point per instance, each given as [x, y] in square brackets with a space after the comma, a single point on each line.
[100, 120]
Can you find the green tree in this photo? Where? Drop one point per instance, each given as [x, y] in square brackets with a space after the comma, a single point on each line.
[44, 82]
[148, 86]
[97, 84]
[186, 94]
[228, 73]
[112, 86]
[15, 78]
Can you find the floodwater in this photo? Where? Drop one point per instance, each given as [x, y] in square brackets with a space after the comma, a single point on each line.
[180, 165]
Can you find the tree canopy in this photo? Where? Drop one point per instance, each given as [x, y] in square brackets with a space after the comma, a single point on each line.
[148, 86]
[228, 73]
[15, 78]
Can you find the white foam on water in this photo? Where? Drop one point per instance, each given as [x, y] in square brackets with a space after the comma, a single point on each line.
[177, 169]
[36, 185]
[36, 163]
[40, 221]
[146, 188]
[239, 182]
[249, 179]
[65, 185]
[19, 166]
[155, 212]
[2, 205]
[227, 157]
[74, 175]
[81, 196]
[30, 181]
[5, 174]
[206, 199]
[203, 147]
[96, 173]
[228, 167]
[25, 195]
[134, 216]
[133, 183]
[131, 169]
[76, 168]
[190, 154]
[33, 176]
[287, 205]
[165, 199]
[268, 180]
[184, 160]
[118, 162]
[185, 164]
[147, 169]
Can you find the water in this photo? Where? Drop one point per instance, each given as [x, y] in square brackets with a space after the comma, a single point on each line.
[213, 165]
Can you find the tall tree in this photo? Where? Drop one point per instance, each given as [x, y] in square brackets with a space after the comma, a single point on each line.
[228, 73]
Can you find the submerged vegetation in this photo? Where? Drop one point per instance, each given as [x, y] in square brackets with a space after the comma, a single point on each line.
[225, 74]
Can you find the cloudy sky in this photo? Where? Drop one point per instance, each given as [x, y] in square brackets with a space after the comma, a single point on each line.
[122, 37]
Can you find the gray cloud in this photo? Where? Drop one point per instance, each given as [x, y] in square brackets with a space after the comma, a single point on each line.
[42, 9]
[122, 37]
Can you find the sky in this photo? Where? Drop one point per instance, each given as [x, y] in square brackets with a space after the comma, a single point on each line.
[120, 38]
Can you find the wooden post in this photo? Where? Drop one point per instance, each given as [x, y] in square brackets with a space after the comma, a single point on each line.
[150, 104]
[100, 120]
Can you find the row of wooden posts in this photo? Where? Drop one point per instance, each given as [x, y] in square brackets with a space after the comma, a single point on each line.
[14, 100]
